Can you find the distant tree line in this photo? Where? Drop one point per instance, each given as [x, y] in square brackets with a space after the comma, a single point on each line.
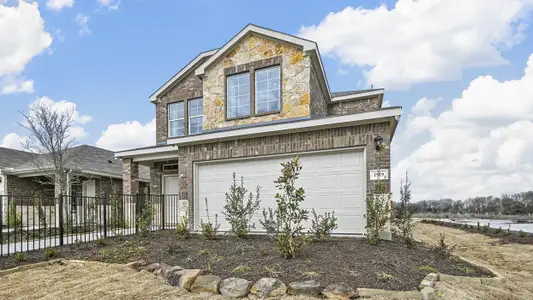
[506, 204]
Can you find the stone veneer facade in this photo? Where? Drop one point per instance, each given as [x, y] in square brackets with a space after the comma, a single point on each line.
[295, 87]
[362, 135]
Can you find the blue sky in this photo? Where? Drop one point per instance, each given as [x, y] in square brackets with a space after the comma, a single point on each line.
[108, 66]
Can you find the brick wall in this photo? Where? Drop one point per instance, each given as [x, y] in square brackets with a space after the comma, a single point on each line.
[318, 104]
[108, 186]
[28, 186]
[353, 106]
[189, 87]
[362, 135]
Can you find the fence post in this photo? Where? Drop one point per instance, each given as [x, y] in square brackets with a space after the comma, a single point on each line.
[105, 214]
[61, 227]
[136, 213]
[162, 202]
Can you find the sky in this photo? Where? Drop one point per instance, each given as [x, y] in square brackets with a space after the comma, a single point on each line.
[461, 70]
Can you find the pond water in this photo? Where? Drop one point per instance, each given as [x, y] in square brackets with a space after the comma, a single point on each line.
[494, 223]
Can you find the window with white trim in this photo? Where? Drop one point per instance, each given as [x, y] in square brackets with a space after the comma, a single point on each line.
[267, 90]
[196, 115]
[238, 98]
[176, 119]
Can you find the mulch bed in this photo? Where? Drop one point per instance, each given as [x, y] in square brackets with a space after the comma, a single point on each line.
[349, 260]
[504, 236]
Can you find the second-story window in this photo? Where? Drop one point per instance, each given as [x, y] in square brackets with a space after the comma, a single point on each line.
[196, 115]
[238, 88]
[176, 119]
[267, 90]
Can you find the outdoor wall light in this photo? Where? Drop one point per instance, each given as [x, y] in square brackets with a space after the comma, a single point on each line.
[378, 142]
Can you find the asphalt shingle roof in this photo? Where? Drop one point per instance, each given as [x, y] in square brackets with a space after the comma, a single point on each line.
[86, 158]
[10, 158]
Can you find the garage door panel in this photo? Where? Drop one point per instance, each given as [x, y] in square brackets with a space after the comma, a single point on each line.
[332, 182]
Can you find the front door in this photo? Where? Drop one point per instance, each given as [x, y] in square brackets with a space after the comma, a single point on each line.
[171, 190]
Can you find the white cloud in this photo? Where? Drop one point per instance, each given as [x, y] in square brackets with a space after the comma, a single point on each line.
[422, 41]
[131, 134]
[22, 37]
[83, 22]
[110, 4]
[64, 105]
[481, 145]
[16, 85]
[58, 5]
[13, 141]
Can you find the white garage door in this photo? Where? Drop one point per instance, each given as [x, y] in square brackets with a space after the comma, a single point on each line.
[333, 181]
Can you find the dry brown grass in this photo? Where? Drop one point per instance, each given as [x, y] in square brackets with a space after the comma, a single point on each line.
[513, 261]
[98, 281]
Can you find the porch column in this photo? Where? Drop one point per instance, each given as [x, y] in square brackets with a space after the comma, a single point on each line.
[130, 176]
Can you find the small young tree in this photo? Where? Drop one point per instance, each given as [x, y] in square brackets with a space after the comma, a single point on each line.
[238, 210]
[146, 217]
[209, 229]
[403, 216]
[290, 237]
[377, 208]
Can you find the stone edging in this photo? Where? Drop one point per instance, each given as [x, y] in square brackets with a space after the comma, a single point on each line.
[196, 281]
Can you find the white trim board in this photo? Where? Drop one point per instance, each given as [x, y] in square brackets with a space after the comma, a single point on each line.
[155, 150]
[358, 95]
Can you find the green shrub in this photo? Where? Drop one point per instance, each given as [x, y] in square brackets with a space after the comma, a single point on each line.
[465, 270]
[322, 226]
[289, 236]
[522, 234]
[50, 252]
[498, 230]
[270, 222]
[20, 257]
[182, 229]
[209, 229]
[403, 217]
[238, 210]
[241, 270]
[146, 217]
[14, 219]
[377, 212]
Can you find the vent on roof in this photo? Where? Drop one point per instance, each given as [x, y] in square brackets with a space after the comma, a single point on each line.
[170, 167]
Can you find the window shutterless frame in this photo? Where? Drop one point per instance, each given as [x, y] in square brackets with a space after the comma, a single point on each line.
[251, 68]
[267, 91]
[195, 115]
[238, 95]
[176, 116]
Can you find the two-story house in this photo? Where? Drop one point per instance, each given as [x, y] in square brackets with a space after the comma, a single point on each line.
[259, 100]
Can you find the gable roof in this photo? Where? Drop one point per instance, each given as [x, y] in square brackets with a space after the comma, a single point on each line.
[10, 158]
[207, 58]
[308, 46]
[85, 158]
[182, 73]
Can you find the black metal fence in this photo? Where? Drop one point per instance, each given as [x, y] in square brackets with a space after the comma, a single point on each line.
[31, 223]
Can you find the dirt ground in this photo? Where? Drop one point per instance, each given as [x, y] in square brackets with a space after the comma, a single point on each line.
[513, 261]
[76, 281]
[350, 260]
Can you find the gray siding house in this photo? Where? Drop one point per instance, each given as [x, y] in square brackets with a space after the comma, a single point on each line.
[259, 100]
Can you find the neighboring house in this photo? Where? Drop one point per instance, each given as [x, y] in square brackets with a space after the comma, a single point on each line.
[262, 99]
[91, 172]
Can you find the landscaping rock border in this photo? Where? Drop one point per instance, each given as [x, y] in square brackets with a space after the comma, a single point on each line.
[196, 281]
